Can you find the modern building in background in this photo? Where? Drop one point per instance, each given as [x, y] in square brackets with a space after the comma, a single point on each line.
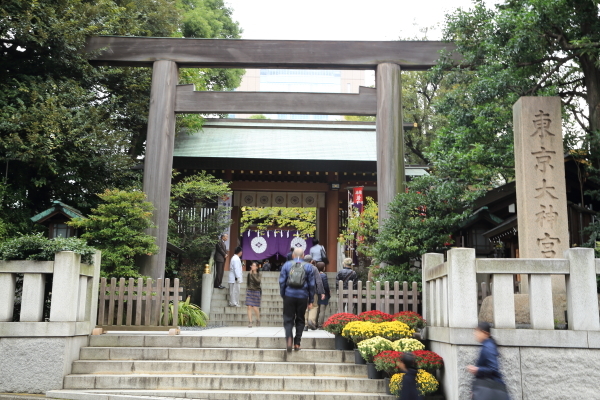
[301, 80]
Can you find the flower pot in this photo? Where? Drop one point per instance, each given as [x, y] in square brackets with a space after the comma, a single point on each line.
[341, 343]
[386, 382]
[372, 373]
[358, 358]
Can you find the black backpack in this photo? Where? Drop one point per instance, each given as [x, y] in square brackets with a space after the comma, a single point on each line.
[297, 276]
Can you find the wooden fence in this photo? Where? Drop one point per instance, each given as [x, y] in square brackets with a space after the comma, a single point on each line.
[131, 305]
[386, 299]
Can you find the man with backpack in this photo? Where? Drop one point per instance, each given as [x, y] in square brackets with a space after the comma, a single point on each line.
[297, 288]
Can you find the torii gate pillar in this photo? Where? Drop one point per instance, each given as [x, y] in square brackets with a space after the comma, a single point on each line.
[390, 137]
[158, 163]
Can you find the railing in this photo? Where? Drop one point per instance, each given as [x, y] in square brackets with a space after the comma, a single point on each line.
[133, 305]
[450, 289]
[383, 299]
[72, 301]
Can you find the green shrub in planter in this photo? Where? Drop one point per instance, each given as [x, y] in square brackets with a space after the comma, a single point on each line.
[188, 314]
[37, 247]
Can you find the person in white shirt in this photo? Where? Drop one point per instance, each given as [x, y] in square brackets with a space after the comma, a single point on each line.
[235, 278]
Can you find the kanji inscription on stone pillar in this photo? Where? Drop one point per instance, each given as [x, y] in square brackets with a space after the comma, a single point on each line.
[540, 174]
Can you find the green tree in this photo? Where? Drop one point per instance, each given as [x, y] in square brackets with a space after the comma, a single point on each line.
[189, 228]
[69, 130]
[421, 220]
[517, 48]
[363, 228]
[116, 227]
[302, 219]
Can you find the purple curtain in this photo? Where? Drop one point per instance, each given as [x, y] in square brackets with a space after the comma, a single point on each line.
[269, 243]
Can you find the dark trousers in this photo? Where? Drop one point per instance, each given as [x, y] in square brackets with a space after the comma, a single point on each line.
[293, 316]
[219, 268]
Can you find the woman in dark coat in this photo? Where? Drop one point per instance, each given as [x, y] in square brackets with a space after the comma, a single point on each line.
[409, 381]
[488, 384]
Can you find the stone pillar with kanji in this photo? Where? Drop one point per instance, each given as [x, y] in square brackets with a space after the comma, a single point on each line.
[540, 181]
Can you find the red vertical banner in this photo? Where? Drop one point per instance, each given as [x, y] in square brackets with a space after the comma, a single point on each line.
[357, 198]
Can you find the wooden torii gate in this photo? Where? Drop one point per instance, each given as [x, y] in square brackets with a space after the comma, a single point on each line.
[167, 98]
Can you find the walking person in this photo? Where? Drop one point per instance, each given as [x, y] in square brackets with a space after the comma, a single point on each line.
[253, 294]
[317, 252]
[297, 288]
[235, 278]
[311, 315]
[346, 275]
[408, 364]
[488, 383]
[323, 303]
[220, 256]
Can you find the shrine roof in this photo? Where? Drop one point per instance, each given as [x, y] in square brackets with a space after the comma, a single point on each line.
[280, 139]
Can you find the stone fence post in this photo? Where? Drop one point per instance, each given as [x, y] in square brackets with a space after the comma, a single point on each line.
[462, 288]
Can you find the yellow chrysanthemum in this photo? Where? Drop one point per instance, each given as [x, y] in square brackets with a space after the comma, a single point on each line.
[426, 383]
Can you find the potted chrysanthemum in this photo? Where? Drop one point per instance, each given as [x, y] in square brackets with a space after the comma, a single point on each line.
[426, 383]
[335, 324]
[369, 349]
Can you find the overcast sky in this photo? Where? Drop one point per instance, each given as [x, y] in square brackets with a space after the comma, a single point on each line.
[341, 19]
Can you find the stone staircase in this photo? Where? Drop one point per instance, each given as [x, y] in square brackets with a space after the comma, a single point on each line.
[130, 367]
[271, 310]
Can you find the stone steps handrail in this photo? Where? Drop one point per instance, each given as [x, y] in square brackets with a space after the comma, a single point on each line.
[451, 289]
[73, 304]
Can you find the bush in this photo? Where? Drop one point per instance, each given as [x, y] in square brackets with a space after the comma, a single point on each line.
[410, 318]
[374, 316]
[117, 228]
[388, 361]
[426, 383]
[371, 347]
[336, 323]
[428, 360]
[408, 344]
[188, 314]
[394, 330]
[37, 247]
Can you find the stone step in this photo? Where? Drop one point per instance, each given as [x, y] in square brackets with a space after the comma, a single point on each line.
[194, 342]
[265, 320]
[218, 368]
[244, 310]
[265, 302]
[210, 395]
[225, 292]
[224, 382]
[306, 355]
[271, 297]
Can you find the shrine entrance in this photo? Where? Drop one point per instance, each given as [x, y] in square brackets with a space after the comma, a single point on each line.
[167, 55]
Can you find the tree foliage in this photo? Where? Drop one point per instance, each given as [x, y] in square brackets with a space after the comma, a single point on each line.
[302, 219]
[191, 230]
[69, 130]
[517, 48]
[363, 228]
[421, 220]
[117, 227]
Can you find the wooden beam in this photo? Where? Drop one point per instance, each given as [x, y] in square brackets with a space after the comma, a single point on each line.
[189, 101]
[239, 53]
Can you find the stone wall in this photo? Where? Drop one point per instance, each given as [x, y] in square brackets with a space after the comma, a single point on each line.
[36, 365]
[531, 373]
